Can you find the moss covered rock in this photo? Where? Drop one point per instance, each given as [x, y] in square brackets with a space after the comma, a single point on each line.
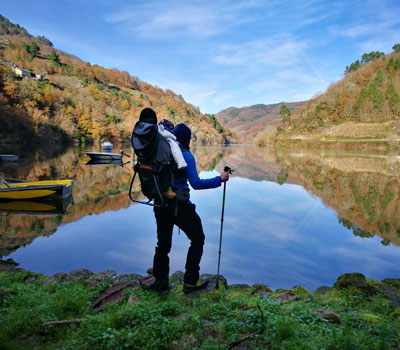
[284, 296]
[100, 277]
[323, 290]
[302, 292]
[78, 275]
[56, 278]
[356, 284]
[177, 277]
[261, 289]
[213, 280]
[126, 278]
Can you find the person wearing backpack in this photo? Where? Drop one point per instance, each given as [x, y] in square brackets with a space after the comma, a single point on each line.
[182, 213]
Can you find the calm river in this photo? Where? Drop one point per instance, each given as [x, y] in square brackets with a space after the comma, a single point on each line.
[291, 218]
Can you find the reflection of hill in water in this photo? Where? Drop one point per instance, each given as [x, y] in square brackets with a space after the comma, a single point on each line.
[251, 163]
[363, 189]
[96, 190]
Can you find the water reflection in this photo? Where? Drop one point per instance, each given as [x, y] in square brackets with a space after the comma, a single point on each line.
[290, 218]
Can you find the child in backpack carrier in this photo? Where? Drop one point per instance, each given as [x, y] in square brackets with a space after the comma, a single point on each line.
[165, 129]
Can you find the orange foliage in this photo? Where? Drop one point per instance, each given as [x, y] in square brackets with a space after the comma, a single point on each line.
[86, 100]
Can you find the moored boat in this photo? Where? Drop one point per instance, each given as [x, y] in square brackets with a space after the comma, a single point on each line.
[104, 155]
[36, 206]
[93, 162]
[8, 157]
[16, 189]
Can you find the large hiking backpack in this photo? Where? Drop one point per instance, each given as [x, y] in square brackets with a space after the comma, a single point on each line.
[154, 163]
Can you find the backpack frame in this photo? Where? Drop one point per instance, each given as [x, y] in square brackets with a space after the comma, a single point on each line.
[154, 164]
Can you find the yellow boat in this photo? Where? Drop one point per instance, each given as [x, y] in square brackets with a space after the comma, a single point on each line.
[36, 189]
[36, 206]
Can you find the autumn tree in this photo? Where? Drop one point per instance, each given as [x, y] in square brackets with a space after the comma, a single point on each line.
[284, 112]
[34, 49]
[353, 66]
[54, 57]
[365, 58]
[368, 57]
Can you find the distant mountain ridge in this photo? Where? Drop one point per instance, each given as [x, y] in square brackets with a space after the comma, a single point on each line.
[248, 121]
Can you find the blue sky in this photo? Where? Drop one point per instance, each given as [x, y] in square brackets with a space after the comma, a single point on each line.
[218, 53]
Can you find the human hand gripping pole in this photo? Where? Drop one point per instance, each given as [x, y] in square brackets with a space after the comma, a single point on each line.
[230, 171]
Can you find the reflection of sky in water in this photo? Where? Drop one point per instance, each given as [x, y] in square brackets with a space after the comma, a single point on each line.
[277, 235]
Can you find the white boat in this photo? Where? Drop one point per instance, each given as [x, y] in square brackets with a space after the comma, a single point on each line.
[8, 157]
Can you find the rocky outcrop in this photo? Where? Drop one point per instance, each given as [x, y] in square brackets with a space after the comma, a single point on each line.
[355, 283]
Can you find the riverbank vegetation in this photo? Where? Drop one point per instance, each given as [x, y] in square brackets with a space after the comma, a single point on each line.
[58, 313]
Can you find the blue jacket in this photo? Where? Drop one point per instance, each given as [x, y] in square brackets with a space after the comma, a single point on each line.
[190, 173]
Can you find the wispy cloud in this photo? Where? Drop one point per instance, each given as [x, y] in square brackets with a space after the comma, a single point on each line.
[278, 52]
[200, 94]
[205, 18]
[377, 26]
[161, 19]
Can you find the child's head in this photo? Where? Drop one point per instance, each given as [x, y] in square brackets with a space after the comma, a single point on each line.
[167, 125]
[183, 134]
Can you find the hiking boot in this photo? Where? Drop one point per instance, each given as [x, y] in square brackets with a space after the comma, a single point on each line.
[160, 286]
[200, 284]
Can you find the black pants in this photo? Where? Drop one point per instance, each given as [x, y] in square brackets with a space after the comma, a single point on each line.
[190, 223]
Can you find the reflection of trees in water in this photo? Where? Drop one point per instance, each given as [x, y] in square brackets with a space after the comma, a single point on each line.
[251, 163]
[96, 189]
[356, 231]
[363, 190]
[282, 176]
[216, 160]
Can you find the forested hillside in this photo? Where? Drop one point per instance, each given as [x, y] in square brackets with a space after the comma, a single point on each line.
[364, 105]
[67, 99]
[247, 122]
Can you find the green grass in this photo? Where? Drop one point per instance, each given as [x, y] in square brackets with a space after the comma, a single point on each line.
[174, 320]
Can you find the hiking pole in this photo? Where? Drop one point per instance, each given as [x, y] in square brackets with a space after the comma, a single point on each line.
[226, 169]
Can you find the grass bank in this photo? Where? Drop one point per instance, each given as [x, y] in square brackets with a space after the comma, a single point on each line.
[356, 313]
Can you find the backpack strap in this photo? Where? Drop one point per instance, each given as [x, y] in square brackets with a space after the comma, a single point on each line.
[162, 204]
[178, 194]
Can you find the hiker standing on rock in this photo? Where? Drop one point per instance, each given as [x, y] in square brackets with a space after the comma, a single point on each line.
[182, 213]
